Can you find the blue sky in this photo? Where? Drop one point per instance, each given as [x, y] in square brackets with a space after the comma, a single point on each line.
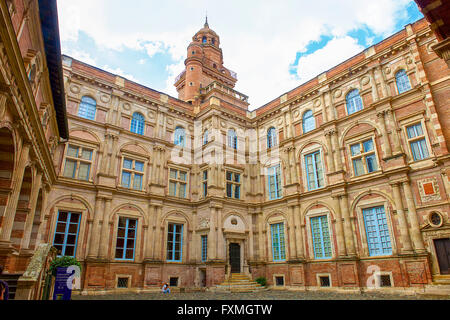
[273, 47]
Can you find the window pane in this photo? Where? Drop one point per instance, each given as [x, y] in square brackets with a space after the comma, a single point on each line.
[356, 149]
[87, 108]
[72, 151]
[229, 176]
[172, 188]
[173, 174]
[69, 169]
[371, 163]
[237, 177]
[182, 190]
[229, 190]
[86, 154]
[182, 176]
[126, 179]
[139, 166]
[368, 145]
[358, 166]
[128, 164]
[237, 192]
[137, 184]
[83, 171]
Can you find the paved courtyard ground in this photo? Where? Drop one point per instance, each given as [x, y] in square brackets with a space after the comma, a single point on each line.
[265, 295]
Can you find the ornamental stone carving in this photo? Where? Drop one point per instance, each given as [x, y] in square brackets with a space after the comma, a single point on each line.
[203, 223]
[429, 190]
[338, 93]
[75, 89]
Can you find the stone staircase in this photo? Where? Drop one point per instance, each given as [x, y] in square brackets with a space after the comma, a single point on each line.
[238, 283]
[440, 286]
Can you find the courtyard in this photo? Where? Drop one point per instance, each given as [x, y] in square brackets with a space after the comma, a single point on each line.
[264, 295]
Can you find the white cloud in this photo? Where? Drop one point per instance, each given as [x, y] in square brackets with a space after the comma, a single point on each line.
[119, 72]
[259, 39]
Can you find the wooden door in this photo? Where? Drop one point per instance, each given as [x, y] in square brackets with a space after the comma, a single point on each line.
[235, 257]
[443, 254]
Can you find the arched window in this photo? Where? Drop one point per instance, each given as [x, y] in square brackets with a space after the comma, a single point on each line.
[204, 39]
[354, 102]
[180, 137]
[402, 80]
[232, 139]
[213, 41]
[309, 123]
[137, 123]
[205, 137]
[271, 138]
[87, 108]
[377, 231]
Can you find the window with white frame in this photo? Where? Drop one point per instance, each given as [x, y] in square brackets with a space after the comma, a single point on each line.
[132, 174]
[78, 162]
[402, 80]
[417, 142]
[177, 183]
[321, 237]
[204, 240]
[377, 232]
[314, 171]
[232, 139]
[180, 137]
[278, 242]
[65, 238]
[363, 157]
[137, 123]
[205, 183]
[126, 239]
[87, 108]
[354, 102]
[174, 242]
[272, 138]
[274, 182]
[233, 185]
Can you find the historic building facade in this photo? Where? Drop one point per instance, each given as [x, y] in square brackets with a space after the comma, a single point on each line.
[32, 123]
[341, 182]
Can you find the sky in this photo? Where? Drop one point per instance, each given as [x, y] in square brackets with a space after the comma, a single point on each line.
[274, 46]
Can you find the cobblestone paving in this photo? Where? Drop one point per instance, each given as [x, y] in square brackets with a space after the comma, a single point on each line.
[266, 295]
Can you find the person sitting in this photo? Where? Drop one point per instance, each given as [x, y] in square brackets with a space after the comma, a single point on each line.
[165, 288]
[4, 289]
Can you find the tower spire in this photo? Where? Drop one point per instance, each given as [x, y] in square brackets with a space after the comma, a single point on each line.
[206, 22]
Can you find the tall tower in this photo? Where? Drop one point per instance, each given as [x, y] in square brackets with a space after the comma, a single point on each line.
[204, 64]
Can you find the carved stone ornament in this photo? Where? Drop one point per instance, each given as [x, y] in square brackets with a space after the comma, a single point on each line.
[151, 114]
[296, 114]
[75, 89]
[203, 223]
[222, 124]
[387, 70]
[104, 98]
[365, 80]
[338, 93]
[429, 190]
[126, 106]
[234, 222]
[317, 103]
[280, 121]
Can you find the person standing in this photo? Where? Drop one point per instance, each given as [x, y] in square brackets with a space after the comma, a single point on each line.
[4, 289]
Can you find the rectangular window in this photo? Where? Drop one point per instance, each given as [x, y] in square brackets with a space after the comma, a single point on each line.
[174, 242]
[314, 171]
[205, 183]
[78, 163]
[274, 181]
[363, 157]
[126, 239]
[321, 237]
[278, 242]
[132, 174]
[377, 231]
[66, 233]
[204, 248]
[177, 183]
[233, 185]
[417, 142]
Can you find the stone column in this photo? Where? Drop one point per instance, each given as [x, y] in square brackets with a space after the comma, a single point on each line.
[196, 250]
[412, 214]
[287, 171]
[299, 233]
[262, 240]
[42, 225]
[162, 161]
[330, 160]
[340, 236]
[348, 230]
[386, 143]
[250, 237]
[17, 179]
[332, 109]
[220, 240]
[384, 87]
[292, 164]
[212, 243]
[404, 234]
[337, 150]
[291, 228]
[37, 183]
[104, 243]
[374, 85]
[394, 132]
[93, 249]
[159, 227]
[149, 234]
[324, 108]
[113, 156]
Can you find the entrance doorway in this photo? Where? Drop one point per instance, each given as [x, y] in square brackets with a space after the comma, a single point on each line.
[235, 257]
[443, 254]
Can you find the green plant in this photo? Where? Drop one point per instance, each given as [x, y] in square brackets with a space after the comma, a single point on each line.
[262, 281]
[63, 262]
